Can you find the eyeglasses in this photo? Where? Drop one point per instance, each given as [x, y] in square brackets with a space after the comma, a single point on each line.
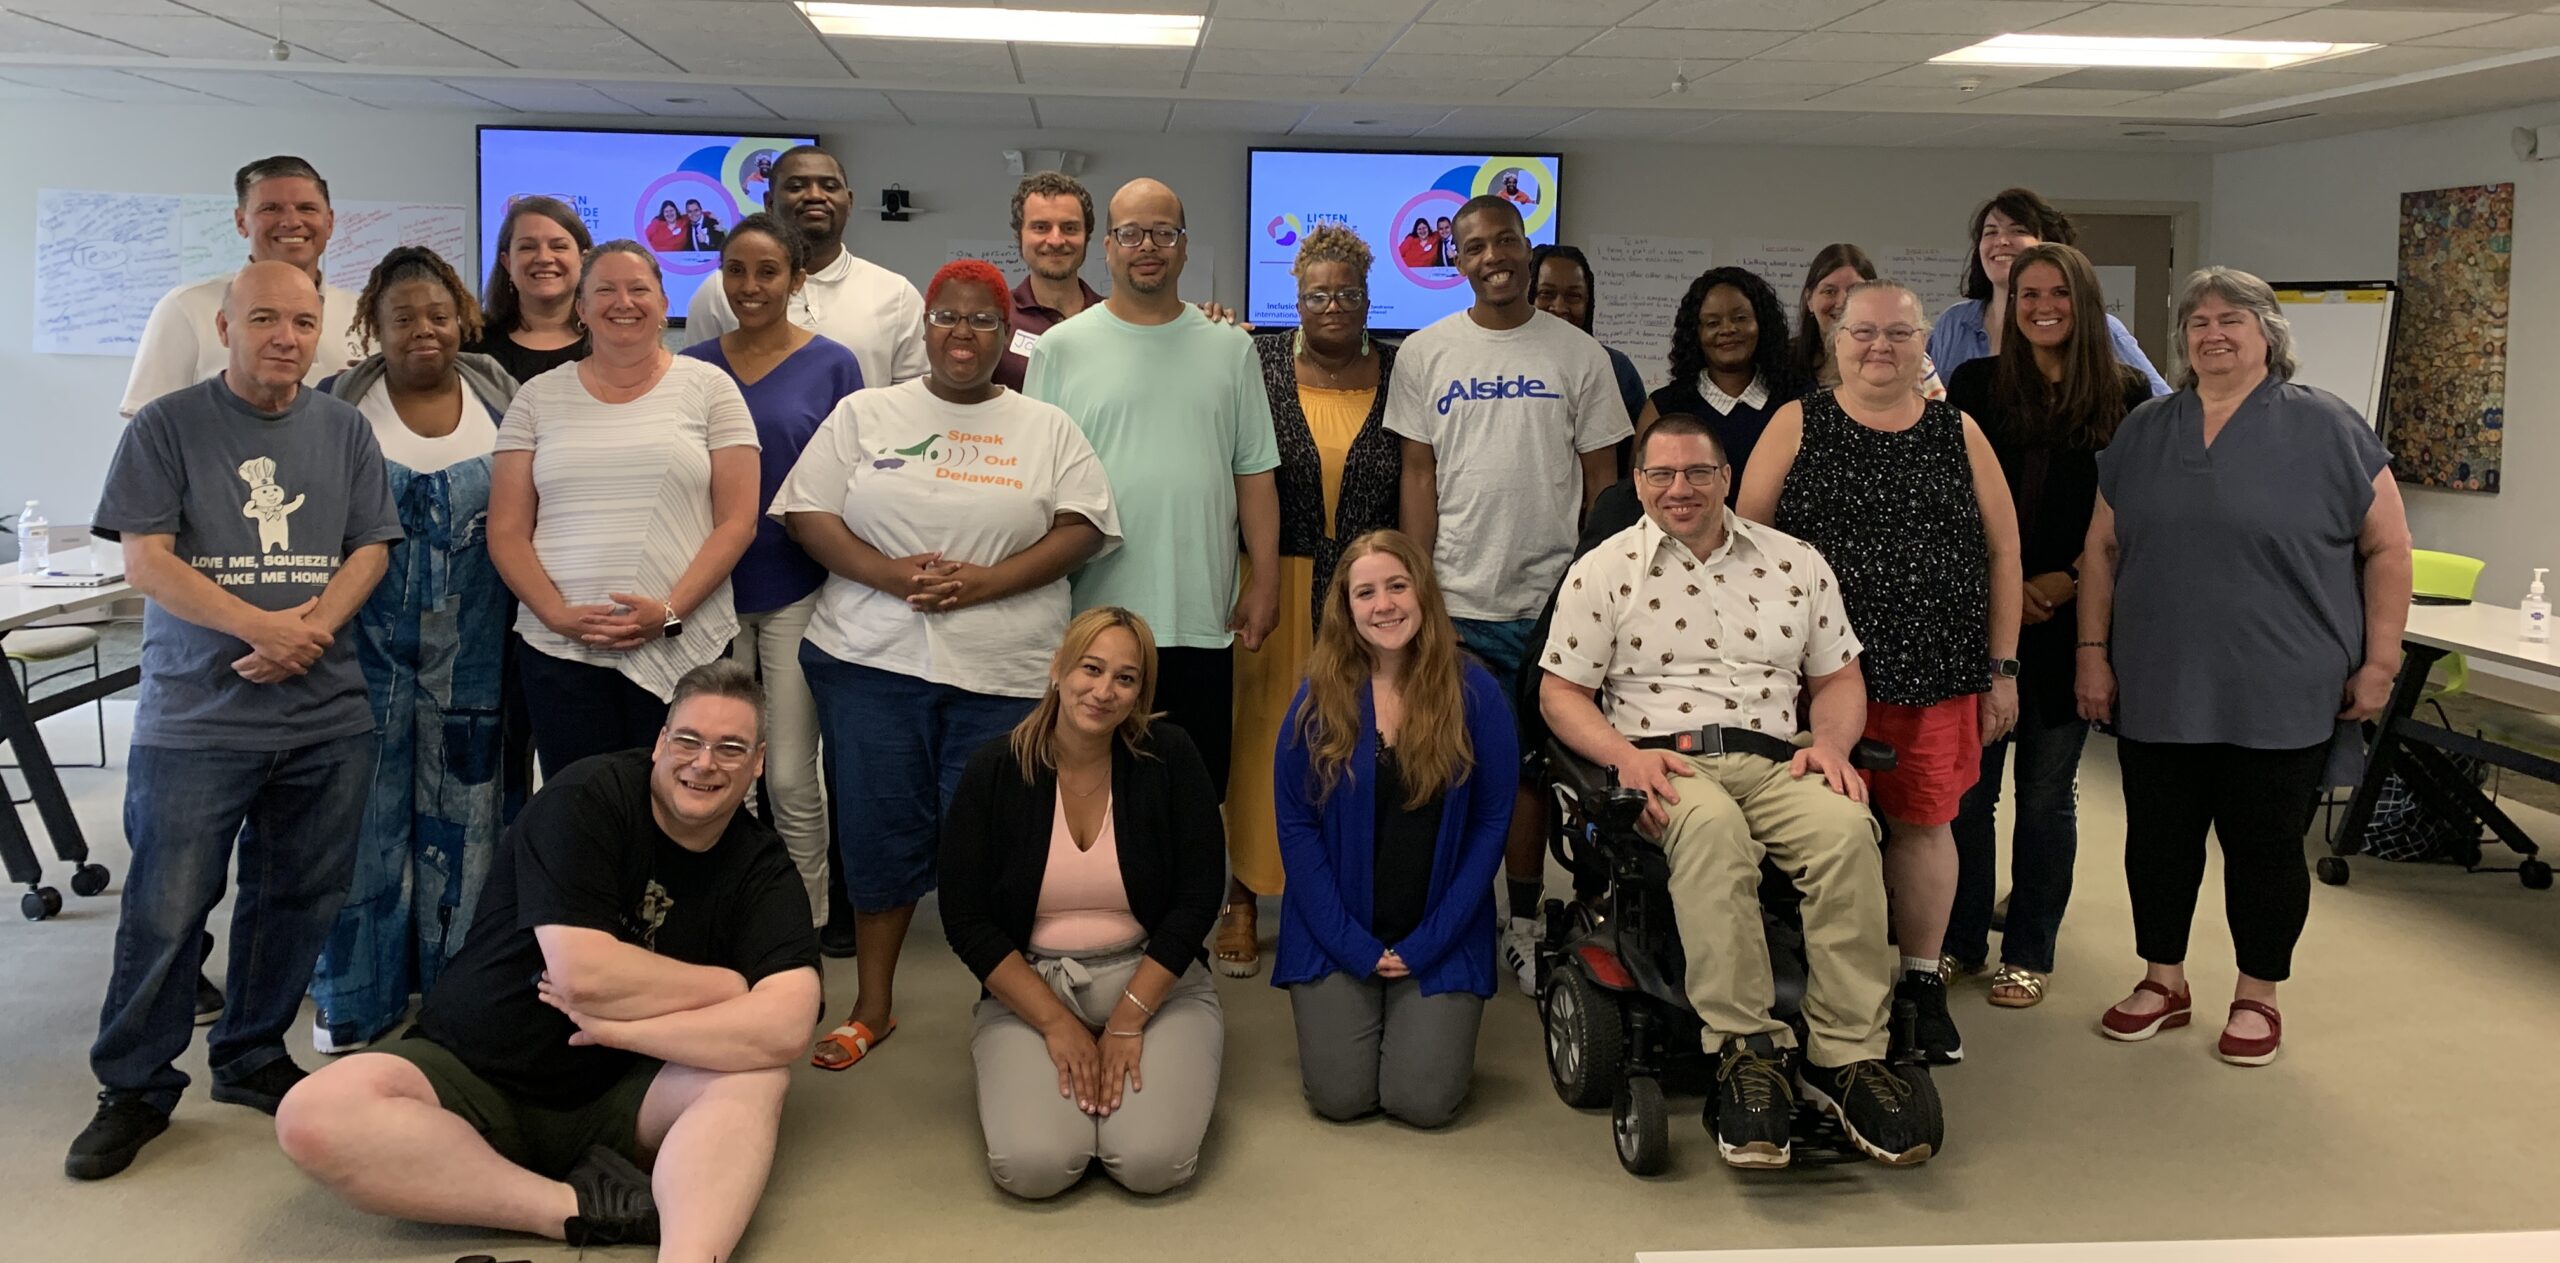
[1131, 236]
[1895, 334]
[1327, 300]
[724, 754]
[982, 321]
[1659, 476]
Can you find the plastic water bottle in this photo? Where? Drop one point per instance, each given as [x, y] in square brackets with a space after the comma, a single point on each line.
[35, 540]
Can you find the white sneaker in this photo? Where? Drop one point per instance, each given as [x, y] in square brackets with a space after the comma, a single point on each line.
[1520, 952]
[322, 1044]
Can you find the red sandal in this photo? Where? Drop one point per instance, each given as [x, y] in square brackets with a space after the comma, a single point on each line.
[2134, 1027]
[2252, 1052]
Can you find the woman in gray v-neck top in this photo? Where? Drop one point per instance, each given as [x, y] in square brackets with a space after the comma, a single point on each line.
[2243, 592]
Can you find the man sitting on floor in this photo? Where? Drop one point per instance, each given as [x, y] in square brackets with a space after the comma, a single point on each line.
[641, 970]
[1700, 630]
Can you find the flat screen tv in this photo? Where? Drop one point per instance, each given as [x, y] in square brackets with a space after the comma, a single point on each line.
[1401, 203]
[675, 192]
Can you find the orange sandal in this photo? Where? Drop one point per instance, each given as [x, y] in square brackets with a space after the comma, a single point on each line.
[853, 1040]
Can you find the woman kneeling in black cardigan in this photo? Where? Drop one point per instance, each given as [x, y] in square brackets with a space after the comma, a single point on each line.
[1082, 860]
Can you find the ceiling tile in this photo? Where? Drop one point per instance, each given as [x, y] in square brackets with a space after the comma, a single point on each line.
[1986, 79]
[1365, 120]
[444, 13]
[1235, 116]
[1396, 11]
[1869, 96]
[535, 96]
[1335, 37]
[1621, 124]
[2159, 21]
[2080, 101]
[1103, 114]
[1549, 41]
[1902, 50]
[174, 36]
[2267, 85]
[859, 105]
[1139, 68]
[146, 8]
[1493, 72]
[720, 59]
[1954, 17]
[101, 83]
[2536, 31]
[1415, 88]
[2145, 78]
[560, 48]
[1824, 73]
[384, 44]
[1634, 41]
[962, 109]
[1745, 15]
[1656, 72]
[396, 92]
[22, 34]
[1501, 123]
[1586, 93]
[1269, 87]
[1314, 62]
[940, 76]
[1529, 12]
[2377, 26]
[1765, 126]
[2402, 59]
[940, 52]
[248, 88]
[262, 13]
[684, 100]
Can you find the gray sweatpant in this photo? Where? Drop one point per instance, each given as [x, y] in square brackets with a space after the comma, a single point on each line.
[1367, 1044]
[1039, 1143]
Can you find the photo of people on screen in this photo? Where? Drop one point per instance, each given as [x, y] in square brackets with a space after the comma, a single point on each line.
[758, 174]
[1420, 248]
[668, 231]
[1517, 185]
[1445, 239]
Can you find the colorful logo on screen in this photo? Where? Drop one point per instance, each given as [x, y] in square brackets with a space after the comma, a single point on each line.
[1426, 253]
[1284, 230]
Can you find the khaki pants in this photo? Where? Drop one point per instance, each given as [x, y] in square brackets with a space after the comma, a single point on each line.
[1737, 808]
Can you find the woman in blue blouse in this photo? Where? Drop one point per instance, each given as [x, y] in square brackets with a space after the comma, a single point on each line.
[1393, 782]
[2011, 221]
[792, 378]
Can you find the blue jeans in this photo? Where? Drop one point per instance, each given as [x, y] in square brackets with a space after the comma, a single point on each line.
[433, 643]
[2041, 847]
[295, 814]
[896, 746]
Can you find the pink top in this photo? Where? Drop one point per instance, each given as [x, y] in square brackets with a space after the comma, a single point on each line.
[1083, 904]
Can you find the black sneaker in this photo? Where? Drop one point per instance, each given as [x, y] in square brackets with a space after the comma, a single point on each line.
[1935, 1030]
[208, 1001]
[119, 1130]
[1890, 1112]
[262, 1089]
[1754, 1104]
[615, 1206]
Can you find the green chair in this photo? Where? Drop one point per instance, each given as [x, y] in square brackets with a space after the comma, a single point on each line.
[2454, 576]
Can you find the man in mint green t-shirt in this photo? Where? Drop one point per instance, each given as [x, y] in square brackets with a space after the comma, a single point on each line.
[1175, 407]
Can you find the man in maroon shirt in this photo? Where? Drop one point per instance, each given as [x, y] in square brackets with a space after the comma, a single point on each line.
[1052, 221]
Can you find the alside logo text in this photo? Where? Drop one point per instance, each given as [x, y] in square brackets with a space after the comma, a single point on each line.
[1519, 386]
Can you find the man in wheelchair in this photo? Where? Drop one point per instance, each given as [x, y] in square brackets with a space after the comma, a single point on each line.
[1702, 634]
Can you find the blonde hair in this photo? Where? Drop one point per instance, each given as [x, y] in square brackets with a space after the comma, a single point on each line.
[1332, 243]
[1035, 739]
[1433, 750]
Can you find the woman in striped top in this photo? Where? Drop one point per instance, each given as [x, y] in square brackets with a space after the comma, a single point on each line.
[622, 493]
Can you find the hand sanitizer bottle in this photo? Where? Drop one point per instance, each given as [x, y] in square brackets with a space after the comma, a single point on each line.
[35, 538]
[2536, 611]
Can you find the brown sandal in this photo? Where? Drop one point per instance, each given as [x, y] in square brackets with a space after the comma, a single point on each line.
[1237, 950]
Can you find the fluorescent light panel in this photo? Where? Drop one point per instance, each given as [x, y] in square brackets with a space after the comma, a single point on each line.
[1003, 26]
[2107, 50]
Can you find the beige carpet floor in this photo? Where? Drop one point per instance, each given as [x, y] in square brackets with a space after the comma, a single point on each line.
[2415, 1096]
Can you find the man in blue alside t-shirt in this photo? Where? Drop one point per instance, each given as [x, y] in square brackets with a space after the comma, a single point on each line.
[256, 516]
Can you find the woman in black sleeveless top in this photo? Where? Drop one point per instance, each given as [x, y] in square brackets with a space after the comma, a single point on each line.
[1904, 498]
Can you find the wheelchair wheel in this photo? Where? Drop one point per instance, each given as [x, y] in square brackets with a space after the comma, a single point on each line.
[1586, 1038]
[1642, 1123]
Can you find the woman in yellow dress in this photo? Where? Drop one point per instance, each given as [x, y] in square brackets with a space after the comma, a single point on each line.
[1338, 473]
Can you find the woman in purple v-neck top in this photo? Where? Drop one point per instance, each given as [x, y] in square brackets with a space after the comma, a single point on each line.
[792, 378]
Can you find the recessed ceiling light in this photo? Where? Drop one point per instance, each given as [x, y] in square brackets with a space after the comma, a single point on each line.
[1002, 26]
[2108, 50]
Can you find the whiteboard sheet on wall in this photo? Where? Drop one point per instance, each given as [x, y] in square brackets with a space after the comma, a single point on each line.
[104, 258]
[1640, 281]
[1198, 272]
[2342, 339]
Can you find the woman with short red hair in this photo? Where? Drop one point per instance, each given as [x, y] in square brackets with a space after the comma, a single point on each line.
[948, 512]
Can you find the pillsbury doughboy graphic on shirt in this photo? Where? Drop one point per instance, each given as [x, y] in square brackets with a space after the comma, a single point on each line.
[267, 505]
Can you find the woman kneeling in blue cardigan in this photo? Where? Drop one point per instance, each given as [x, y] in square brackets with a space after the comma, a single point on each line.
[1393, 783]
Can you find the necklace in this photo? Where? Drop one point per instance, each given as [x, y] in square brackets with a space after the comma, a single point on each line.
[1098, 783]
[1332, 375]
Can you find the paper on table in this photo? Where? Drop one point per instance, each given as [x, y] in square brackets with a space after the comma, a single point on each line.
[1639, 282]
[1199, 273]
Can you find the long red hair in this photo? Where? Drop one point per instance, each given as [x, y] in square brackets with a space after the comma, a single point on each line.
[1432, 748]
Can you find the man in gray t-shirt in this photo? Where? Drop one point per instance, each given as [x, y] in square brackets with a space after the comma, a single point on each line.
[256, 518]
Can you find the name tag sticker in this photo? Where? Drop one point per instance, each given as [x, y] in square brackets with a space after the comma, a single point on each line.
[1023, 341]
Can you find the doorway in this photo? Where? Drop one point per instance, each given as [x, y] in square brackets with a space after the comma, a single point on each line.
[2139, 252]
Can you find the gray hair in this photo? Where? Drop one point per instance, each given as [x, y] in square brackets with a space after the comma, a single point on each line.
[721, 677]
[2249, 294]
[1909, 295]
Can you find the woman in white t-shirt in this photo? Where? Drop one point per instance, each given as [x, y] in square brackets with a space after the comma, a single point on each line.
[948, 512]
[624, 489]
[433, 643]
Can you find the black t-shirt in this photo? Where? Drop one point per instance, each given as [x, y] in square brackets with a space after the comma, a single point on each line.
[525, 363]
[1407, 840]
[586, 852]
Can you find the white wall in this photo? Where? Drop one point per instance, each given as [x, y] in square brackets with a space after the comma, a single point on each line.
[58, 423]
[2330, 210]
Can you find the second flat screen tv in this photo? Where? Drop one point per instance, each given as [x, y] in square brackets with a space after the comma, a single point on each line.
[1401, 204]
[674, 192]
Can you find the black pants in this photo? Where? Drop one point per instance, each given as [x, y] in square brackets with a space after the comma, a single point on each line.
[1196, 689]
[580, 710]
[2259, 804]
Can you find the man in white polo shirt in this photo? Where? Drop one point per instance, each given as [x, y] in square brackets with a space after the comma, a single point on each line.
[874, 312]
[284, 213]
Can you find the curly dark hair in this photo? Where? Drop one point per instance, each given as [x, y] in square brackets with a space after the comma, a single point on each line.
[414, 263]
[1772, 358]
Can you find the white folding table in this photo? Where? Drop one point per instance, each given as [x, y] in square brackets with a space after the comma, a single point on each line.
[22, 604]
